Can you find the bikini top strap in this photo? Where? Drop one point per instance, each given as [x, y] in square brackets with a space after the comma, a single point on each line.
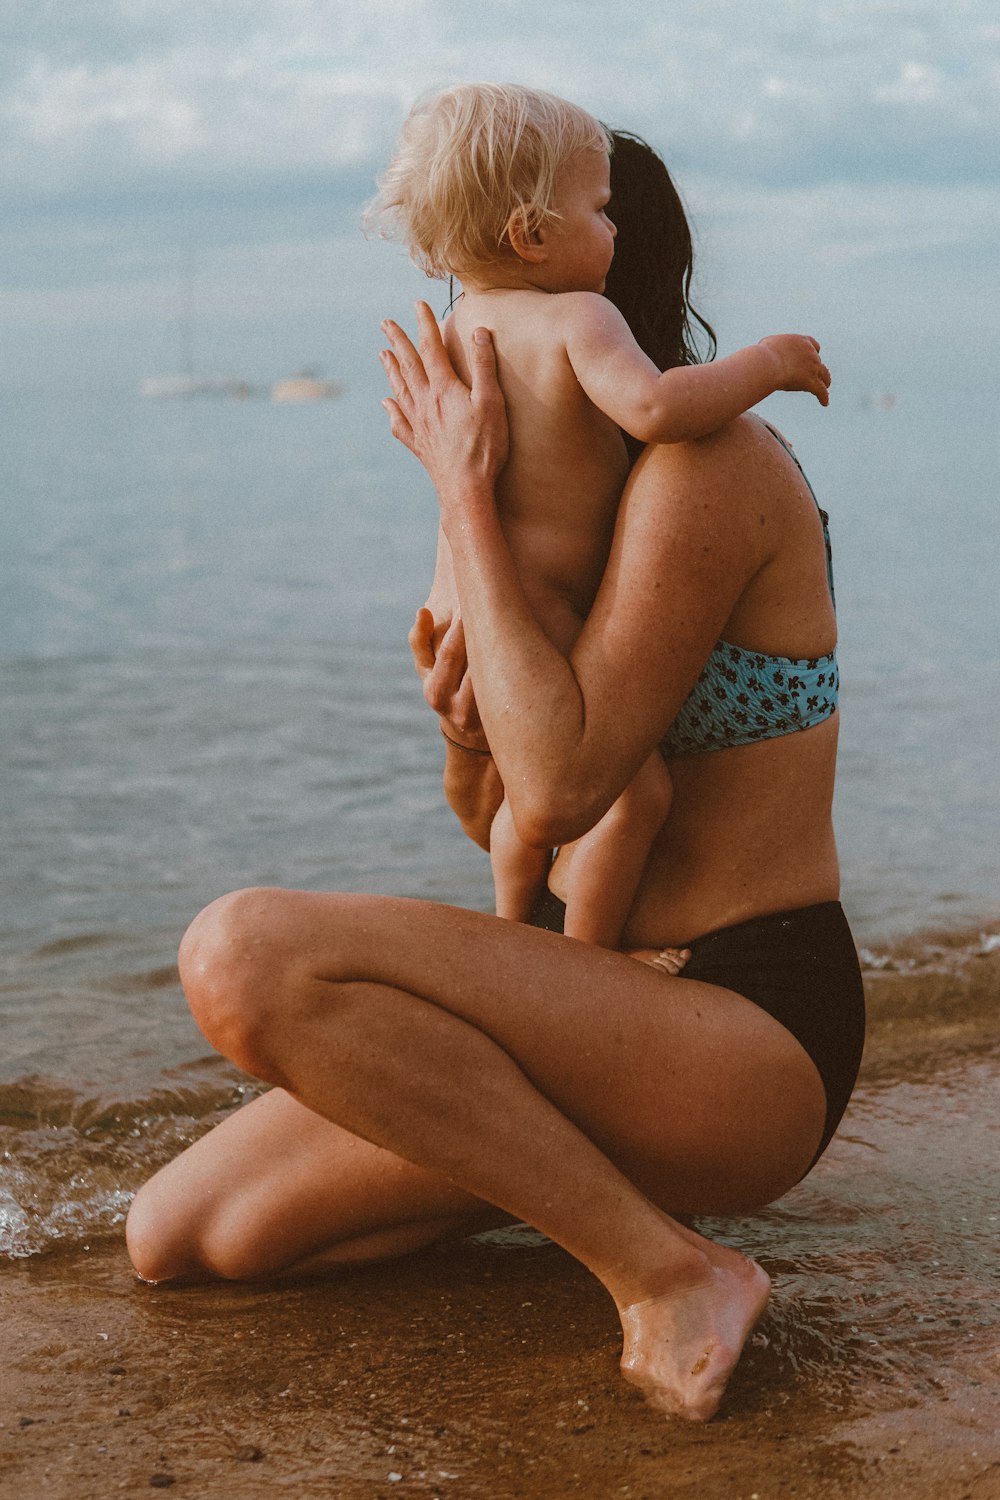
[822, 513]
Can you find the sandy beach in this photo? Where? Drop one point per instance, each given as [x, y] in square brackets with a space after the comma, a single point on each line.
[490, 1367]
[205, 685]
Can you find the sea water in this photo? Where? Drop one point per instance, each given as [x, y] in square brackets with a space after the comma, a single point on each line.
[205, 684]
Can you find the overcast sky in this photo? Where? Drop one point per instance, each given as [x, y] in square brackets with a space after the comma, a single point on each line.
[834, 147]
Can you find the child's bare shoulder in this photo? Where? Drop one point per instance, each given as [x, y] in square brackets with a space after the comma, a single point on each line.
[583, 304]
[577, 324]
[588, 314]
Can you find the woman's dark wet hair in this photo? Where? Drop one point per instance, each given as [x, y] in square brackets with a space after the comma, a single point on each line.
[650, 277]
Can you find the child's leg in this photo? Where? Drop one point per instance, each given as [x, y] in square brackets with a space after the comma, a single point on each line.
[609, 860]
[519, 872]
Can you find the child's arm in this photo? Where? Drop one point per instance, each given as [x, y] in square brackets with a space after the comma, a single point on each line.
[692, 400]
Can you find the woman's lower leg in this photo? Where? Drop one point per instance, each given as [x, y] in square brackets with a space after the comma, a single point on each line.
[408, 1075]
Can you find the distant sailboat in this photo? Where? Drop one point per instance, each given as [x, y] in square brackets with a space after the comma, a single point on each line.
[188, 383]
[167, 386]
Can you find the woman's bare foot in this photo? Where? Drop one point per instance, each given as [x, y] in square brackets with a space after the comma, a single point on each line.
[682, 1347]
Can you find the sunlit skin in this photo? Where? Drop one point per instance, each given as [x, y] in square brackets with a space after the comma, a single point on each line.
[433, 1065]
[573, 377]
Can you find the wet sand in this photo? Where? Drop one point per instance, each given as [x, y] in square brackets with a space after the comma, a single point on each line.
[490, 1368]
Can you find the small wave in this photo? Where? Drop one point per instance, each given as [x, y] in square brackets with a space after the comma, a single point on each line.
[72, 1157]
[951, 950]
[162, 978]
[934, 985]
[191, 1092]
[72, 1154]
[61, 946]
[25, 1232]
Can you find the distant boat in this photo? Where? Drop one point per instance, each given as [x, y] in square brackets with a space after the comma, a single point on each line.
[175, 387]
[189, 382]
[305, 386]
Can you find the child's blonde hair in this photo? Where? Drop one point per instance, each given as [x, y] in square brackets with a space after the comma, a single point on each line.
[469, 159]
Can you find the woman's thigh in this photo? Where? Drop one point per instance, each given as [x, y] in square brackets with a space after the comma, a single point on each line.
[700, 1097]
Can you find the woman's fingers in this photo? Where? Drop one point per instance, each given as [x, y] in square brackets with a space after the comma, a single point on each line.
[421, 639]
[443, 686]
[403, 363]
[400, 407]
[399, 426]
[436, 365]
[397, 383]
[454, 431]
[486, 392]
[448, 689]
[463, 713]
[444, 673]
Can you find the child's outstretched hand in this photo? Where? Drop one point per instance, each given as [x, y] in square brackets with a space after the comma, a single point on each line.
[799, 367]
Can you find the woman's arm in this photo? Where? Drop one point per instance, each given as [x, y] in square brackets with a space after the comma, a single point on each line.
[690, 401]
[568, 735]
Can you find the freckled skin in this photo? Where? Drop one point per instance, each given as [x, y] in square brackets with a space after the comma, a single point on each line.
[431, 1065]
[572, 376]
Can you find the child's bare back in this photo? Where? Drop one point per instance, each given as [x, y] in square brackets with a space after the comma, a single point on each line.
[559, 491]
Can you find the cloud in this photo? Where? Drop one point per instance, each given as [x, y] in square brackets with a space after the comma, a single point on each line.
[862, 133]
[791, 92]
[61, 108]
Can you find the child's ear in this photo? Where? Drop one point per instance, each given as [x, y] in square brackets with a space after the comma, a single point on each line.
[527, 244]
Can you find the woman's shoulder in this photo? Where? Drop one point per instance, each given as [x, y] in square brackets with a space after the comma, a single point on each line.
[743, 464]
[736, 497]
[746, 437]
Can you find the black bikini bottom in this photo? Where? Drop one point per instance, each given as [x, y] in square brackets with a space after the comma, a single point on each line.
[799, 966]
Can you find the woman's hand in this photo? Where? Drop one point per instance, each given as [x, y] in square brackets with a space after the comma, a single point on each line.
[472, 782]
[459, 435]
[442, 665]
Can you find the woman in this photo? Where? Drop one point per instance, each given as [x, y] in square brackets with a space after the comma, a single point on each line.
[433, 1065]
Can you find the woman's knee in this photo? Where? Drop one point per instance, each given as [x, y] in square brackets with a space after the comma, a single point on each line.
[171, 1238]
[160, 1244]
[234, 966]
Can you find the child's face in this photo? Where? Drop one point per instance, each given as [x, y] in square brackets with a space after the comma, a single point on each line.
[581, 243]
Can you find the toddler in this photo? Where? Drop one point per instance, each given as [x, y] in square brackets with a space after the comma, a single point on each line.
[505, 188]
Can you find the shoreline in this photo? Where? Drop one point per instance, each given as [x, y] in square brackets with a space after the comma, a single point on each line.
[489, 1367]
[222, 1390]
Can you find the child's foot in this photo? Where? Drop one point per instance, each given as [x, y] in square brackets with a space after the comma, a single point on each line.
[669, 960]
[682, 1347]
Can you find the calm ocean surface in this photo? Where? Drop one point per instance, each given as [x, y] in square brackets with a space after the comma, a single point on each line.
[205, 683]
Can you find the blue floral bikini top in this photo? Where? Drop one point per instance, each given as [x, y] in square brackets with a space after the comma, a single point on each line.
[742, 695]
